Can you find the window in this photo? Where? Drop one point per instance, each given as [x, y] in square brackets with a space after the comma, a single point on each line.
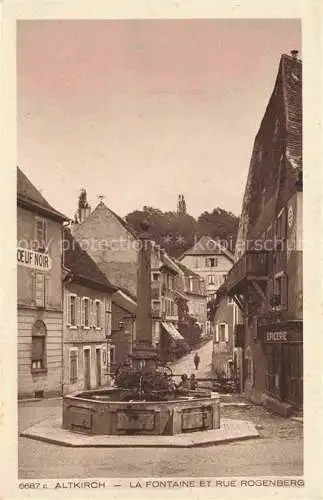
[210, 279]
[73, 366]
[155, 306]
[38, 347]
[211, 262]
[156, 276]
[280, 291]
[221, 332]
[85, 312]
[40, 236]
[196, 262]
[98, 314]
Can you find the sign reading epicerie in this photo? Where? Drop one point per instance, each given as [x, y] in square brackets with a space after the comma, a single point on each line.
[34, 260]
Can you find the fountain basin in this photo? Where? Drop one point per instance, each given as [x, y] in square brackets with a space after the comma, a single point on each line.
[101, 412]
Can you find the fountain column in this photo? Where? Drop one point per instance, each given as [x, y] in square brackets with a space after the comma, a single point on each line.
[144, 354]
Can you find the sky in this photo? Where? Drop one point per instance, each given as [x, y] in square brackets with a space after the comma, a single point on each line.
[141, 110]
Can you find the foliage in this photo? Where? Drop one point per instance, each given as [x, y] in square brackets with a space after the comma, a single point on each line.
[182, 348]
[177, 233]
[142, 381]
[190, 330]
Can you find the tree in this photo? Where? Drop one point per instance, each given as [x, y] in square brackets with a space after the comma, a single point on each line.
[176, 231]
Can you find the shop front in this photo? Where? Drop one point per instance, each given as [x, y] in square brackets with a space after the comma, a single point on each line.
[283, 347]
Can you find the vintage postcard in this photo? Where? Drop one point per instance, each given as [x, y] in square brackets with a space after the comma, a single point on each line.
[161, 305]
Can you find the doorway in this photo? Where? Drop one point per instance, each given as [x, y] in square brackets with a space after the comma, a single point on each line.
[98, 367]
[87, 369]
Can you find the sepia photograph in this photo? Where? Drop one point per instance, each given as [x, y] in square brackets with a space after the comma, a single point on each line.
[159, 259]
[159, 249]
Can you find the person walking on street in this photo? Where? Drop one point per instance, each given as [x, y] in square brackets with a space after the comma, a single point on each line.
[196, 361]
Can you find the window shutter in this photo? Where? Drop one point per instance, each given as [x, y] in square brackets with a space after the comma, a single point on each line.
[82, 312]
[92, 319]
[47, 291]
[40, 290]
[68, 309]
[226, 332]
[78, 319]
[216, 333]
[102, 314]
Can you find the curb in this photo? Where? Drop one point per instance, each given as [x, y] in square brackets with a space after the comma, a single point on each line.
[51, 431]
[34, 400]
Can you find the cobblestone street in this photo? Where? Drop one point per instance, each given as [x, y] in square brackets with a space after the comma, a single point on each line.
[278, 451]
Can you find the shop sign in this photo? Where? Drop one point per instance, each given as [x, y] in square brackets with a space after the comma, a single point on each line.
[282, 336]
[33, 260]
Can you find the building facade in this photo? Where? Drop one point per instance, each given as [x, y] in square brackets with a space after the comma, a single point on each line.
[224, 355]
[87, 320]
[39, 293]
[114, 247]
[193, 287]
[210, 261]
[266, 280]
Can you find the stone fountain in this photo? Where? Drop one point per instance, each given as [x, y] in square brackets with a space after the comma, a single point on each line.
[145, 402]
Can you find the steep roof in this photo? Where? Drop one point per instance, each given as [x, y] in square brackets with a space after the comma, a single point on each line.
[30, 197]
[81, 264]
[291, 75]
[208, 246]
[124, 300]
[289, 85]
[101, 207]
[169, 263]
[285, 108]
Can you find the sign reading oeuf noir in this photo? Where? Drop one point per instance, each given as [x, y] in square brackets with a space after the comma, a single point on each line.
[33, 260]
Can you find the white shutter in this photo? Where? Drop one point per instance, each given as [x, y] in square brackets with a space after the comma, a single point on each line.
[226, 332]
[92, 322]
[82, 312]
[102, 313]
[68, 309]
[216, 333]
[78, 319]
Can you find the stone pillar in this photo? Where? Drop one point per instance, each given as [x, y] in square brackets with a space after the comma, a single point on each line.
[144, 353]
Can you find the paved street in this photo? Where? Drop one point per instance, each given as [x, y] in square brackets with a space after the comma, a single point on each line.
[277, 452]
[186, 364]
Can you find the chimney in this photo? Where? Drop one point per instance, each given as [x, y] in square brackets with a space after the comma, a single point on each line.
[294, 53]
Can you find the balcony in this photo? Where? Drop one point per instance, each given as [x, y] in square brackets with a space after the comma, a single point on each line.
[253, 265]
